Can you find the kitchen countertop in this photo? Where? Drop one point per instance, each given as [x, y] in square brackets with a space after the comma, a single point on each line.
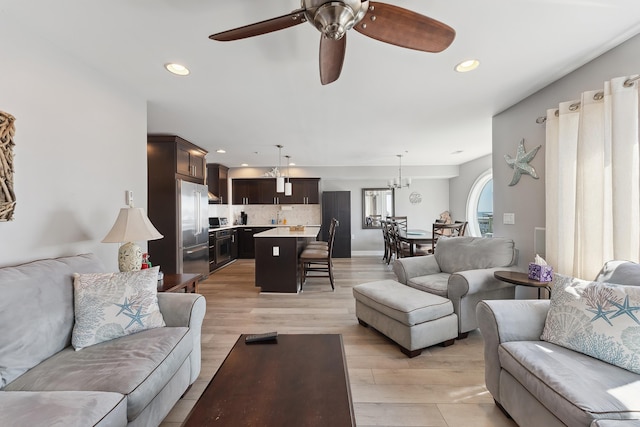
[231, 227]
[309, 232]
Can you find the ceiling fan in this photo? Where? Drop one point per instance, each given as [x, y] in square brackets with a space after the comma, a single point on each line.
[380, 21]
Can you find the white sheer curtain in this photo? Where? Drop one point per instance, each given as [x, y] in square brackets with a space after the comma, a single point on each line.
[593, 180]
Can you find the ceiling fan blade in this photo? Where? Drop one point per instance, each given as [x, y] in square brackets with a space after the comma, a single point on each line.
[280, 23]
[331, 58]
[405, 28]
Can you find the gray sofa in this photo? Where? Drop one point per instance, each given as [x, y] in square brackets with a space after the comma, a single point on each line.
[134, 380]
[539, 383]
[461, 270]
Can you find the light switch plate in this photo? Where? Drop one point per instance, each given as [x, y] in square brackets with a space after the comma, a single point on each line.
[509, 218]
[276, 250]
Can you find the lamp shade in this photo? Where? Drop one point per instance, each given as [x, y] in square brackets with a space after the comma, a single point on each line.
[132, 225]
[280, 184]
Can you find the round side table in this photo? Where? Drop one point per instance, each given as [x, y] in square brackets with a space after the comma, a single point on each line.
[521, 279]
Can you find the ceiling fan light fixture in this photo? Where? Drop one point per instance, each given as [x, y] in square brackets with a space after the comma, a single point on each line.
[467, 65]
[177, 69]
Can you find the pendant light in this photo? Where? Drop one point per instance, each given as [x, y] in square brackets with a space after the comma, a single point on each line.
[287, 185]
[279, 177]
[397, 183]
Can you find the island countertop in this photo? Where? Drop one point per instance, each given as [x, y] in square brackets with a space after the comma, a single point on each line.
[309, 232]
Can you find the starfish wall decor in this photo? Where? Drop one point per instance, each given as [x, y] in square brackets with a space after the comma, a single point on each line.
[520, 164]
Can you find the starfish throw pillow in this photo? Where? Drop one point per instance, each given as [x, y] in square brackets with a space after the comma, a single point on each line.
[112, 305]
[601, 320]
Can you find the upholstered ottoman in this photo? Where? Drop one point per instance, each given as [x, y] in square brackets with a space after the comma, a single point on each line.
[414, 319]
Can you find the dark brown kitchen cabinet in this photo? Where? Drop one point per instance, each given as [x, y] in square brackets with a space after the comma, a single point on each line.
[305, 191]
[337, 204]
[246, 246]
[165, 155]
[234, 244]
[217, 176]
[247, 191]
[181, 157]
[262, 191]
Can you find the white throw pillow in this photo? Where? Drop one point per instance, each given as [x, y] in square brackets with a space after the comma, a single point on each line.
[601, 320]
[112, 305]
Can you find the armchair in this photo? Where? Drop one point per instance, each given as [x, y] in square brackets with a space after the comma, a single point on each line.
[462, 270]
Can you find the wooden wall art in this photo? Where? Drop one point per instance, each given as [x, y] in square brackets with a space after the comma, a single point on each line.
[7, 195]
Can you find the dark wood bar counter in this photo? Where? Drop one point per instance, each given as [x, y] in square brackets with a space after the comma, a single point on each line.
[277, 252]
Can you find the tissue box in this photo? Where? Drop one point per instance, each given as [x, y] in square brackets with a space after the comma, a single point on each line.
[541, 273]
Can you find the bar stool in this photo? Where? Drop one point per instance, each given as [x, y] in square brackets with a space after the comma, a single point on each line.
[317, 261]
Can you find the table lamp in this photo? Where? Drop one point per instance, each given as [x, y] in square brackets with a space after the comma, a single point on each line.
[132, 225]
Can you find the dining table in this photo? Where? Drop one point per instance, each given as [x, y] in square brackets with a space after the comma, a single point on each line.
[415, 237]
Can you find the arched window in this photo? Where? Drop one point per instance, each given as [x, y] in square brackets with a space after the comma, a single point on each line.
[480, 206]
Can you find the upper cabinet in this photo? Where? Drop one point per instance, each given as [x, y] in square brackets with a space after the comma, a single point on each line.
[177, 156]
[217, 175]
[250, 191]
[262, 191]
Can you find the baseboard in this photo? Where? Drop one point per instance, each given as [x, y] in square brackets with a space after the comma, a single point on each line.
[367, 253]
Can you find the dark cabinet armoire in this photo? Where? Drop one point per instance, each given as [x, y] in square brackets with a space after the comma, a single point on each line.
[337, 204]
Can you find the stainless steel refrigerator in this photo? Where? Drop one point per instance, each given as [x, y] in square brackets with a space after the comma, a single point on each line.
[193, 223]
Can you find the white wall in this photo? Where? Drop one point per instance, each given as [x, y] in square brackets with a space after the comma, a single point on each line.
[526, 199]
[80, 143]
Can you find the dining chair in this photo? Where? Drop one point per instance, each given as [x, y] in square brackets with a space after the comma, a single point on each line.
[400, 220]
[387, 241]
[463, 231]
[400, 249]
[318, 261]
[439, 229]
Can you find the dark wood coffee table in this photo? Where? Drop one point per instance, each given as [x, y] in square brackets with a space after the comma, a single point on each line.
[300, 380]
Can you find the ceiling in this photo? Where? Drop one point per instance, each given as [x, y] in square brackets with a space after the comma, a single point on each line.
[247, 96]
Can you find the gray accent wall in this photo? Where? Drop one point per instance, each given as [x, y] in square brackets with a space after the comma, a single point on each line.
[527, 199]
[460, 186]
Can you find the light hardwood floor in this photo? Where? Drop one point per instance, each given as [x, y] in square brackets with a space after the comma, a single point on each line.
[444, 386]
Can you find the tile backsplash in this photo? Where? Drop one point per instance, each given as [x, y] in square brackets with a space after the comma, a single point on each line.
[264, 214]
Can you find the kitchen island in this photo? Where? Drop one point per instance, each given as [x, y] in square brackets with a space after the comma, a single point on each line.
[277, 252]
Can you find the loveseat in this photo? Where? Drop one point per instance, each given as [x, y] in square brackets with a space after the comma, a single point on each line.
[461, 270]
[132, 380]
[575, 376]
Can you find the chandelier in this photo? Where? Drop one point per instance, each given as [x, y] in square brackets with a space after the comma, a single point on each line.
[398, 182]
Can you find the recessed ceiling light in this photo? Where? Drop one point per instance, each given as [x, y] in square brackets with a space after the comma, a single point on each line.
[291, 164]
[468, 65]
[177, 69]
[244, 165]
[221, 151]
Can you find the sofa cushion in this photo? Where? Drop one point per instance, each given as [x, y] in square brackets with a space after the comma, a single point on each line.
[137, 365]
[620, 272]
[576, 388]
[471, 253]
[402, 303]
[597, 319]
[433, 283]
[112, 305]
[37, 301]
[63, 408]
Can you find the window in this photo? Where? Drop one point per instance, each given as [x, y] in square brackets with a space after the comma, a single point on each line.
[480, 206]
